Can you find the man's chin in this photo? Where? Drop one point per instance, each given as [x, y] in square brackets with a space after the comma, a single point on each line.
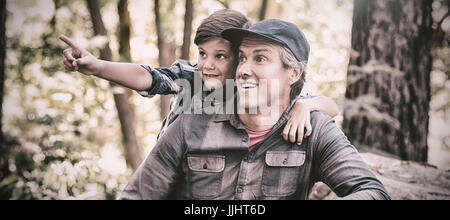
[250, 108]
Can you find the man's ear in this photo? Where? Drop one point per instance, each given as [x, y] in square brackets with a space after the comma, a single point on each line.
[295, 74]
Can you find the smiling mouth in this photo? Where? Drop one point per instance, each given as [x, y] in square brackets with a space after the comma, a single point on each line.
[248, 85]
[211, 75]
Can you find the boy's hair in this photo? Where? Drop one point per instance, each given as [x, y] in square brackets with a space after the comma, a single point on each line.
[213, 25]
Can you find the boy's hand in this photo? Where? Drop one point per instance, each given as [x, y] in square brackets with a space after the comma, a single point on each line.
[78, 59]
[299, 120]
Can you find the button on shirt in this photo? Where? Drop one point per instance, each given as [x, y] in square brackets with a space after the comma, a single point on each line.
[204, 157]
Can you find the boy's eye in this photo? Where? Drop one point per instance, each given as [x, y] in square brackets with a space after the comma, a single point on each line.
[242, 59]
[220, 56]
[202, 54]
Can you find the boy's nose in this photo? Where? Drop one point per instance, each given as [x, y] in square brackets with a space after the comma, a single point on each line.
[209, 65]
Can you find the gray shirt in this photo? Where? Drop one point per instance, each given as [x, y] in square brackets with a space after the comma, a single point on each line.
[206, 157]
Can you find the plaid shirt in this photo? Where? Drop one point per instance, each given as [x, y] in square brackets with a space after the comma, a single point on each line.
[206, 156]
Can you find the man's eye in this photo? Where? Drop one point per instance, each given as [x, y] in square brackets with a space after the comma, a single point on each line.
[260, 59]
[242, 59]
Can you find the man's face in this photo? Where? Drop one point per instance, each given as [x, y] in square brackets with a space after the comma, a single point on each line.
[215, 61]
[261, 73]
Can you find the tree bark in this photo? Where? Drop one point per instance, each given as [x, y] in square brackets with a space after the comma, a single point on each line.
[224, 3]
[124, 31]
[388, 89]
[185, 49]
[124, 108]
[2, 60]
[166, 57]
[263, 10]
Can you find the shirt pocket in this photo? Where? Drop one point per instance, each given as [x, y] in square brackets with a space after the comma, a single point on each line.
[281, 172]
[205, 175]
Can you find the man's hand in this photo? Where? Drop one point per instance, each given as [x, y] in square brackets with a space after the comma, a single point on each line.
[78, 59]
[299, 120]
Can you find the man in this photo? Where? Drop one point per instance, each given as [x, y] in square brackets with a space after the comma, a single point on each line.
[243, 155]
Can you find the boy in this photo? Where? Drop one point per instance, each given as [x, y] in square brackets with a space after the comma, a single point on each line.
[217, 61]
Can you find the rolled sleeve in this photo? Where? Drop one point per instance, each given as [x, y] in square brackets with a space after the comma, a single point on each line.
[165, 79]
[301, 97]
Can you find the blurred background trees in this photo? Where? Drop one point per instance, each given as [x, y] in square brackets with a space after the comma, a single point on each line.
[68, 136]
[166, 45]
[125, 110]
[2, 58]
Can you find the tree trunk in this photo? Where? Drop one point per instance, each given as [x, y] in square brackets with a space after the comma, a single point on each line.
[388, 90]
[185, 49]
[262, 11]
[124, 31]
[224, 3]
[2, 60]
[124, 108]
[165, 58]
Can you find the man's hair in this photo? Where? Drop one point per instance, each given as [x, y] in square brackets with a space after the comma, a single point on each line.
[289, 61]
[213, 25]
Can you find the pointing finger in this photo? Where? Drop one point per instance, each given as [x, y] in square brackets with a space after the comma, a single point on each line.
[69, 41]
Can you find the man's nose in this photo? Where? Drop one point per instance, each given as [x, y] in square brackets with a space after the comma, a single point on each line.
[243, 70]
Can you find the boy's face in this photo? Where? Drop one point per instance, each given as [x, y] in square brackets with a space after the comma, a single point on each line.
[215, 61]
